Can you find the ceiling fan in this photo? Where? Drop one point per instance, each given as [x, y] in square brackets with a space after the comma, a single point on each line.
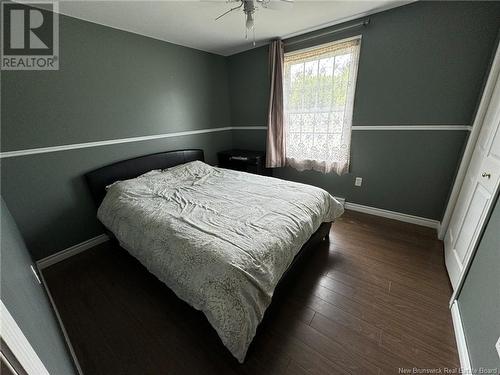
[249, 7]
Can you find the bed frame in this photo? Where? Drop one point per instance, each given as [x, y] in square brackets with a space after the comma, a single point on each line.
[98, 179]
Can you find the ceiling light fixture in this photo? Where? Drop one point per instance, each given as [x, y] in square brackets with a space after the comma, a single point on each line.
[249, 10]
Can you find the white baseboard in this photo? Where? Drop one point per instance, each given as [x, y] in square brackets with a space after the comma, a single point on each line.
[341, 201]
[70, 251]
[78, 248]
[463, 353]
[61, 324]
[430, 223]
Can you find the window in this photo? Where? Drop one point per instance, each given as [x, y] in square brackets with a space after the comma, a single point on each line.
[319, 85]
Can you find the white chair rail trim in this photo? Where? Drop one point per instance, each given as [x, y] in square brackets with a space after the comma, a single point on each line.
[75, 146]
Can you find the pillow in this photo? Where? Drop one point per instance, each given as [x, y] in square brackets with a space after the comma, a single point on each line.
[147, 174]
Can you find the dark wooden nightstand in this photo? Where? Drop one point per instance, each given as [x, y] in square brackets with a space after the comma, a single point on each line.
[244, 160]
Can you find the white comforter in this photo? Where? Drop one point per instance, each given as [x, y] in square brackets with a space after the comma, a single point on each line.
[220, 239]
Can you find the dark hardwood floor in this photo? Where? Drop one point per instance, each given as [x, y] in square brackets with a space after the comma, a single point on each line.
[372, 300]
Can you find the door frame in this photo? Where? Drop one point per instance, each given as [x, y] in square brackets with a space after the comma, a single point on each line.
[19, 346]
[471, 142]
[468, 261]
[464, 166]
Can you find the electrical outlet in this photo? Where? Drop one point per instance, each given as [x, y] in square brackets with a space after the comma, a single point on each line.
[497, 345]
[358, 181]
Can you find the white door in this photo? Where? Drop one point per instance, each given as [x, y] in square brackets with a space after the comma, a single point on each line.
[477, 193]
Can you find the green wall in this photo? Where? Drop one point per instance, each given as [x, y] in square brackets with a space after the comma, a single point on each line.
[479, 300]
[48, 196]
[249, 87]
[409, 172]
[420, 64]
[111, 84]
[27, 302]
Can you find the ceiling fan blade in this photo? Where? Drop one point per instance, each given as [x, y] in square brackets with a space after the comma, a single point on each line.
[229, 11]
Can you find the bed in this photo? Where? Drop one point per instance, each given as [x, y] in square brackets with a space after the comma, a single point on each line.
[222, 240]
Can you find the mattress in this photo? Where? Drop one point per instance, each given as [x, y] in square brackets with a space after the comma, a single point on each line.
[220, 239]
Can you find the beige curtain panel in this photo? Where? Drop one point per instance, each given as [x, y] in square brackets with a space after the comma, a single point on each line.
[276, 140]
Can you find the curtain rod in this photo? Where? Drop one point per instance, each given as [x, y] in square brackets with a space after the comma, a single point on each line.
[363, 23]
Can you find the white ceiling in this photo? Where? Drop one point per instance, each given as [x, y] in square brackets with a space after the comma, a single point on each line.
[192, 23]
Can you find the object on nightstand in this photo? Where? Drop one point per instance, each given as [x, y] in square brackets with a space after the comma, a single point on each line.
[244, 160]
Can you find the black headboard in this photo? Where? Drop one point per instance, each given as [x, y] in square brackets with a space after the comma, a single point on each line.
[100, 178]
